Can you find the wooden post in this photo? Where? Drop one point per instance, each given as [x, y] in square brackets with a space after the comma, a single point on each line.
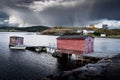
[79, 57]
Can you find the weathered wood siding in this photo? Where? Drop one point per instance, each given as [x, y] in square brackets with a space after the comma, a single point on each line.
[89, 45]
[82, 45]
[16, 41]
[71, 44]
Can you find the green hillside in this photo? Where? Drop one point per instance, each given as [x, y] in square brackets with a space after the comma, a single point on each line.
[23, 29]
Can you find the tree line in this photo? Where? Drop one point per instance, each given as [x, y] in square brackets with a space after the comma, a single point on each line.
[107, 31]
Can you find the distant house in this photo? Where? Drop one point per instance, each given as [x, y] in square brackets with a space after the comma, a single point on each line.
[78, 43]
[103, 35]
[90, 31]
[85, 32]
[105, 26]
[79, 31]
[92, 26]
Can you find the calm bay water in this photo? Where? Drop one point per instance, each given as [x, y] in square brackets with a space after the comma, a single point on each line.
[23, 65]
[28, 65]
[107, 45]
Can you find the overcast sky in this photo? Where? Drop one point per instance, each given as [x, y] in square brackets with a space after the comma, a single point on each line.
[73, 13]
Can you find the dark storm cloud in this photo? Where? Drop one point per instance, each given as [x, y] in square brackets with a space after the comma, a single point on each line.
[18, 13]
[60, 12]
[64, 12]
[106, 9]
[3, 15]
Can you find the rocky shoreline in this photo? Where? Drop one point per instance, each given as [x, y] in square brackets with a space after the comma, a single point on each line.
[107, 69]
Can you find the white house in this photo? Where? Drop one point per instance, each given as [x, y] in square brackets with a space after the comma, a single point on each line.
[85, 32]
[103, 35]
[79, 31]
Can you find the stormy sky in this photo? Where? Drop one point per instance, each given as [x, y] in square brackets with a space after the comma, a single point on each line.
[72, 13]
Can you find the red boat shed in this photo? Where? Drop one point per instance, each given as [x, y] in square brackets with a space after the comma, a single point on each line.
[80, 44]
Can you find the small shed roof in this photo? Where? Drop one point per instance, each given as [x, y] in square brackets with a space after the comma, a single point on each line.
[74, 37]
[16, 37]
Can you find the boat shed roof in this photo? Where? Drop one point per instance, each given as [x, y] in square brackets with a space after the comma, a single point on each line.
[74, 37]
[16, 37]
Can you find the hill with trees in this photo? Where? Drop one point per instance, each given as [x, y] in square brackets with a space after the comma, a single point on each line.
[23, 29]
[59, 30]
